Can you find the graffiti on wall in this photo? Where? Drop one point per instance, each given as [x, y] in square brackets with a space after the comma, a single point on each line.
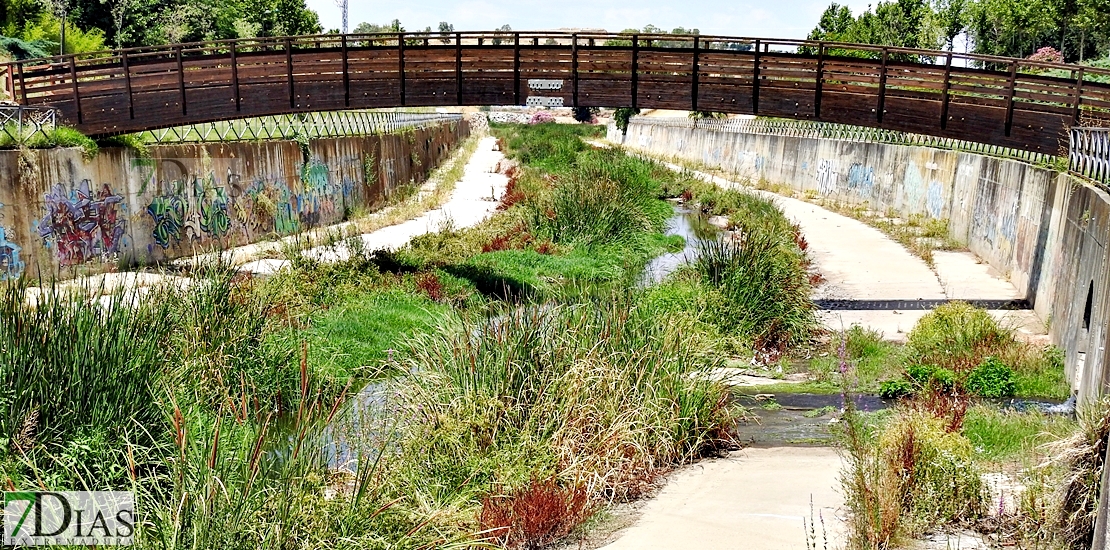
[195, 208]
[82, 225]
[861, 179]
[934, 199]
[11, 267]
[827, 175]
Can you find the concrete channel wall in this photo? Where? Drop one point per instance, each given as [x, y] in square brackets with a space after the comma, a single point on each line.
[1047, 231]
[62, 214]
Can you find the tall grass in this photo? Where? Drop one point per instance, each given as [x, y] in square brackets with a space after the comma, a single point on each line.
[611, 397]
[764, 285]
[77, 372]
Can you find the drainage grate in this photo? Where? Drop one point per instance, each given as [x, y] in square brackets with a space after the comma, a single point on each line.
[915, 304]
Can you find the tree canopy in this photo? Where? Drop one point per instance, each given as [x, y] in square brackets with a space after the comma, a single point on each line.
[1079, 29]
[99, 24]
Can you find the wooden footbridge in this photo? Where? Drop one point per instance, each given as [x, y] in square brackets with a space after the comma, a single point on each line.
[1000, 101]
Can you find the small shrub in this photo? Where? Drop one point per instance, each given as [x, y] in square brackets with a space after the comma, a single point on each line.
[913, 476]
[895, 389]
[928, 377]
[429, 284]
[991, 379]
[958, 337]
[535, 516]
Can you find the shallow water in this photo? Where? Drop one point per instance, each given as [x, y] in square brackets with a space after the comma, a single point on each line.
[690, 226]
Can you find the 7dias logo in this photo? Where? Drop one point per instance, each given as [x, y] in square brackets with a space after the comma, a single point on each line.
[70, 518]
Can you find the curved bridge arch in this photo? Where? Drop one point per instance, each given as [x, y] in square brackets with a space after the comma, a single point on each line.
[1000, 101]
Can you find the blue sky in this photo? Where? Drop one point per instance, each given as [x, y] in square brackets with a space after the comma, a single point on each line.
[776, 18]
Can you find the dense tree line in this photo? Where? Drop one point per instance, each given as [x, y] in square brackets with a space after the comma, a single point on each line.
[33, 26]
[1079, 29]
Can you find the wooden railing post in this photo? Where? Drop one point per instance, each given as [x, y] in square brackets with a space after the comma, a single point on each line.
[574, 67]
[346, 74]
[127, 82]
[1010, 97]
[635, 70]
[882, 88]
[755, 81]
[819, 81]
[22, 84]
[945, 98]
[289, 73]
[1076, 111]
[458, 69]
[694, 80]
[401, 64]
[516, 68]
[235, 76]
[180, 80]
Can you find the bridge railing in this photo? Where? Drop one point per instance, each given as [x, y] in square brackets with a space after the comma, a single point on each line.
[20, 125]
[844, 132]
[1010, 102]
[292, 126]
[1089, 153]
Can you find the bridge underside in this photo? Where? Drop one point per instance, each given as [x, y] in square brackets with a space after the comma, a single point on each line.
[134, 92]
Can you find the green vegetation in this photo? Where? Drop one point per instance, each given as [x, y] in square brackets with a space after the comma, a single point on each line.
[998, 434]
[509, 368]
[61, 136]
[95, 26]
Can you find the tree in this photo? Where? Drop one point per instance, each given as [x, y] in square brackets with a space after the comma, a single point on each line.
[951, 19]
[445, 29]
[503, 29]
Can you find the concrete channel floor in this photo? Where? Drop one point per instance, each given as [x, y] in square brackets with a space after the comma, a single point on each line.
[756, 499]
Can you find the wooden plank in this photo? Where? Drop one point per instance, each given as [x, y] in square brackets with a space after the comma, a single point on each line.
[1010, 98]
[574, 53]
[346, 74]
[235, 77]
[458, 69]
[516, 69]
[694, 83]
[755, 81]
[819, 80]
[401, 65]
[76, 91]
[635, 71]
[127, 80]
[289, 74]
[882, 88]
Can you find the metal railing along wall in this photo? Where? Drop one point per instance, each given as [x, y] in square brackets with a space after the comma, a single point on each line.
[1089, 154]
[20, 125]
[844, 132]
[1016, 103]
[298, 125]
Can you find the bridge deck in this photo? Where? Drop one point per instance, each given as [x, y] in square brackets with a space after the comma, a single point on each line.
[1006, 102]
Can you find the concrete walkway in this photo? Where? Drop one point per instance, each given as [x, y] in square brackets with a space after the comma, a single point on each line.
[755, 499]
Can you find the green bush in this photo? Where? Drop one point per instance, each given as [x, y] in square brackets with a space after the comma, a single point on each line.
[958, 337]
[991, 379]
[928, 377]
[895, 389]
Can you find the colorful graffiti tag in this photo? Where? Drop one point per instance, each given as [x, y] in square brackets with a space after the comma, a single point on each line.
[190, 209]
[198, 208]
[168, 213]
[81, 225]
[11, 267]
